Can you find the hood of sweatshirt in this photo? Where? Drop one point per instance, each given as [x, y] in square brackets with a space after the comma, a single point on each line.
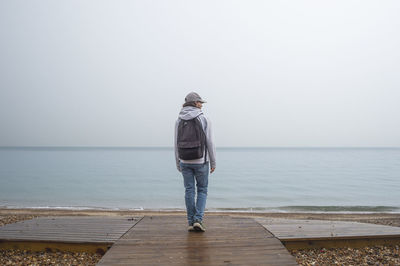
[190, 112]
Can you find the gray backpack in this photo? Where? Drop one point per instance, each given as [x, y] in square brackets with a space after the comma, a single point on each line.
[191, 139]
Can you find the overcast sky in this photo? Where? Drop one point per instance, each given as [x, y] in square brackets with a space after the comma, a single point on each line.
[274, 73]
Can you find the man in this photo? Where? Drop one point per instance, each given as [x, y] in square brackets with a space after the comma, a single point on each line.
[195, 171]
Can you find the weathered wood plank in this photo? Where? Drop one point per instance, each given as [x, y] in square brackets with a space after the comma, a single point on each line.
[307, 229]
[99, 248]
[68, 229]
[296, 234]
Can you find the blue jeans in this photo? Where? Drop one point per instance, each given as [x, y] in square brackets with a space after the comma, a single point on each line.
[192, 172]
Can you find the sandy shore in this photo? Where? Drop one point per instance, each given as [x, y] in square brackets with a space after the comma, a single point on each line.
[376, 255]
[379, 218]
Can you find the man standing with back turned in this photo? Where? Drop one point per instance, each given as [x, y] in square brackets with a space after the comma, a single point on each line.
[194, 149]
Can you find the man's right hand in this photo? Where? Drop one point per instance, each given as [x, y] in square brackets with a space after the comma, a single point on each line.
[212, 170]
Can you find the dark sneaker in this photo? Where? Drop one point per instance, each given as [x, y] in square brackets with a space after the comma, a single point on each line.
[199, 226]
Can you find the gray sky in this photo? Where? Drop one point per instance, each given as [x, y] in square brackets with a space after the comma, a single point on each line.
[274, 73]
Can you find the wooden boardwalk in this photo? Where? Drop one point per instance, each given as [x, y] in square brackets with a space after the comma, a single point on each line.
[320, 233]
[78, 233]
[164, 240]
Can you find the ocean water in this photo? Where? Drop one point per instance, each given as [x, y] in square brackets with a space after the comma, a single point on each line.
[246, 179]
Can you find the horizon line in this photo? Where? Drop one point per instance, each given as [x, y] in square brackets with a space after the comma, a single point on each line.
[223, 147]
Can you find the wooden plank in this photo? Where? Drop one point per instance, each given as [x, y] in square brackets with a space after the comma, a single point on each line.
[285, 229]
[99, 248]
[339, 243]
[68, 229]
[165, 240]
[296, 234]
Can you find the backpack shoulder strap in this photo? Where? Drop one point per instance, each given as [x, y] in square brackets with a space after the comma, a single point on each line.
[205, 137]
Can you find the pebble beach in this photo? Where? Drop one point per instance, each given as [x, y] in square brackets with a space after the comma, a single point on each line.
[374, 255]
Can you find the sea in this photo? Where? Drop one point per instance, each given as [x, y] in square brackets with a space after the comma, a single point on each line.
[245, 180]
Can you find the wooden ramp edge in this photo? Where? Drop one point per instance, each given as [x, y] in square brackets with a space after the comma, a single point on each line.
[164, 240]
[307, 234]
[92, 234]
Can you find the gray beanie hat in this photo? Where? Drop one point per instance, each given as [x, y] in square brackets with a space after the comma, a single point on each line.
[194, 97]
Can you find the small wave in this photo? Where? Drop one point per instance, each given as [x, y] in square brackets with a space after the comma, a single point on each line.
[72, 208]
[282, 209]
[340, 208]
[314, 209]
[249, 209]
